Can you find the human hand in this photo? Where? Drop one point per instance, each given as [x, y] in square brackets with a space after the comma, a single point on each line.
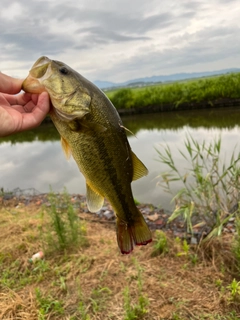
[20, 112]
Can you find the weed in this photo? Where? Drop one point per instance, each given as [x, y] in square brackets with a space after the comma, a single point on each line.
[48, 304]
[98, 298]
[193, 258]
[218, 283]
[161, 244]
[236, 243]
[220, 286]
[15, 277]
[134, 311]
[234, 289]
[65, 229]
[139, 309]
[61, 283]
[184, 249]
[83, 312]
[136, 202]
[210, 191]
[175, 316]
[41, 267]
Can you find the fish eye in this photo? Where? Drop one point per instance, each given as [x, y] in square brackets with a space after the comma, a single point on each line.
[63, 70]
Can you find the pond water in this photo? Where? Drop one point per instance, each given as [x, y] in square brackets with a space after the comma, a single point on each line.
[34, 159]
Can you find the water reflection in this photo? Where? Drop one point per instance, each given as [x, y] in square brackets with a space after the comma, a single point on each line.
[35, 159]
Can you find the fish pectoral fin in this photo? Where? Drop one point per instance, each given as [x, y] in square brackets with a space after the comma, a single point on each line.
[139, 169]
[94, 200]
[78, 125]
[93, 126]
[66, 148]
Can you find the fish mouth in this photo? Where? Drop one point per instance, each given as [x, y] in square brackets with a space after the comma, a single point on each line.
[40, 67]
[40, 71]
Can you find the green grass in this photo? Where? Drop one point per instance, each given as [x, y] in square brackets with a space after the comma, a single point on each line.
[48, 304]
[65, 229]
[135, 310]
[173, 95]
[161, 244]
[210, 189]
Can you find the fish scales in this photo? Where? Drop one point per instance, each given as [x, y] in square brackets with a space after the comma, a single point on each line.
[98, 165]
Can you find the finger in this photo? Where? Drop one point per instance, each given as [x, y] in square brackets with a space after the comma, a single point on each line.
[9, 84]
[34, 119]
[18, 99]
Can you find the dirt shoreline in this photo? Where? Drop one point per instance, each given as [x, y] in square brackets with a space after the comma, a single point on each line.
[157, 219]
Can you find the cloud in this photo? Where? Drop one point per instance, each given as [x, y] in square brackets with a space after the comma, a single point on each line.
[120, 40]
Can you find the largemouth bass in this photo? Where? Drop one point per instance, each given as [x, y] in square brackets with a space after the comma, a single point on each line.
[92, 131]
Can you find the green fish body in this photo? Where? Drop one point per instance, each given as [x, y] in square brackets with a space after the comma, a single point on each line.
[92, 131]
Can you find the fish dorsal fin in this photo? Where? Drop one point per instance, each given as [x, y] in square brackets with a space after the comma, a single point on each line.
[94, 200]
[139, 169]
[66, 148]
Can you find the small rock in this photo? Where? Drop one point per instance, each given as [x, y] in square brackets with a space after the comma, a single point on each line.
[146, 210]
[194, 240]
[159, 222]
[153, 217]
[108, 214]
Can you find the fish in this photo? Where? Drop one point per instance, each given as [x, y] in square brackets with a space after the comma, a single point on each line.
[92, 132]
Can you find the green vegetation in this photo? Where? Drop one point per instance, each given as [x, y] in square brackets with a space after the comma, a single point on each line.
[160, 244]
[210, 190]
[174, 95]
[47, 304]
[236, 243]
[234, 288]
[139, 309]
[64, 229]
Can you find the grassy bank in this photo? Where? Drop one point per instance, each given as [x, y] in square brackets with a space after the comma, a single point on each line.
[87, 278]
[206, 92]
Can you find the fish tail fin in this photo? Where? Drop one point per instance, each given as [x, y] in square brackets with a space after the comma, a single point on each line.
[132, 233]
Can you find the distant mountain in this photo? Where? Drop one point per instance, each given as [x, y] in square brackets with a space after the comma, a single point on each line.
[105, 84]
[153, 79]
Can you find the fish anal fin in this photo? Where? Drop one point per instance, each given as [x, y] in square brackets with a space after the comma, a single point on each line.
[124, 237]
[139, 169]
[94, 200]
[134, 233]
[66, 148]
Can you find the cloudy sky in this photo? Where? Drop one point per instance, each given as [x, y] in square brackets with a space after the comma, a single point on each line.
[120, 40]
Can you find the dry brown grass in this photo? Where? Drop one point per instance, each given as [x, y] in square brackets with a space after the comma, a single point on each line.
[91, 280]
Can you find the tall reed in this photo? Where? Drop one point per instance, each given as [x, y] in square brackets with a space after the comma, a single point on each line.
[210, 188]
